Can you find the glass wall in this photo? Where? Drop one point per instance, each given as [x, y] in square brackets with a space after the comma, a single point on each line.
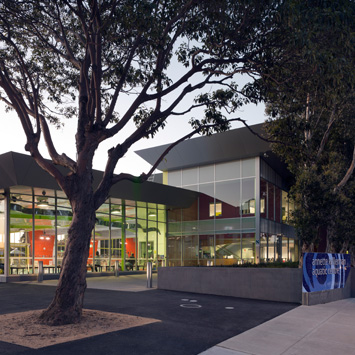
[228, 249]
[100, 251]
[277, 247]
[25, 228]
[2, 234]
[222, 229]
[64, 218]
[211, 231]
[128, 232]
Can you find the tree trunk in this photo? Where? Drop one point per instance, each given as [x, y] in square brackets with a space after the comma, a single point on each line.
[66, 307]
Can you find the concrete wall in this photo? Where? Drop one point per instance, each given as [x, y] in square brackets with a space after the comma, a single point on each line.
[283, 285]
[313, 298]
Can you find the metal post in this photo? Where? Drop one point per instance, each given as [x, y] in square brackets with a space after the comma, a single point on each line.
[40, 271]
[117, 268]
[149, 275]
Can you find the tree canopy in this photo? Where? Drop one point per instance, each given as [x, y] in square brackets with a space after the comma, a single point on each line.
[310, 101]
[81, 59]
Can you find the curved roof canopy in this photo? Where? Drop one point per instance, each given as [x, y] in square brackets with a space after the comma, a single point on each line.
[21, 170]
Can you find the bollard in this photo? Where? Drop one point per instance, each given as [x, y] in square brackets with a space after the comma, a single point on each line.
[40, 271]
[117, 268]
[149, 274]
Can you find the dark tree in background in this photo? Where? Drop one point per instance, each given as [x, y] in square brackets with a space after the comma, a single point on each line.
[80, 59]
[311, 104]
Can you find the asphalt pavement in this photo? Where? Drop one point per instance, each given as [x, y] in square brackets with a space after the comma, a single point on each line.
[190, 323]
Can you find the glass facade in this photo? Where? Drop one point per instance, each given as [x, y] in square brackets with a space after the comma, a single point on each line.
[219, 229]
[2, 234]
[128, 232]
[242, 215]
[238, 217]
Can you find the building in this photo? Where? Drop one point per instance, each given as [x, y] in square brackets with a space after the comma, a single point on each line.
[35, 216]
[243, 210]
[223, 201]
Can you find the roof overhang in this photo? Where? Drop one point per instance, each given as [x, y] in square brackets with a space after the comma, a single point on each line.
[22, 170]
[231, 145]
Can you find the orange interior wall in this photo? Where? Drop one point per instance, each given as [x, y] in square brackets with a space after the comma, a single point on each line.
[43, 246]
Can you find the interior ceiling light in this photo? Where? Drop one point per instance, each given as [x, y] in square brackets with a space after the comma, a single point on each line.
[151, 214]
[42, 201]
[116, 211]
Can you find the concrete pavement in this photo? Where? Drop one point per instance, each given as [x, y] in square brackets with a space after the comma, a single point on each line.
[188, 323]
[312, 330]
[258, 327]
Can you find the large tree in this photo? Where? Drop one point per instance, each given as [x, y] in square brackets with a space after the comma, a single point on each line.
[310, 100]
[79, 59]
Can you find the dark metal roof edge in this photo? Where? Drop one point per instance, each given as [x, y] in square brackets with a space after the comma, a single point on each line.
[34, 176]
[205, 150]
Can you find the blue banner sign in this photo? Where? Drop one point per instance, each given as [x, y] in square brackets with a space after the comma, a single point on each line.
[325, 271]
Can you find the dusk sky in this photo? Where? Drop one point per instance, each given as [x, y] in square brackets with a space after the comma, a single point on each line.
[13, 138]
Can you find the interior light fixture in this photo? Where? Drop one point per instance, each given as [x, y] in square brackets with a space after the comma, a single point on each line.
[42, 201]
[116, 211]
[151, 214]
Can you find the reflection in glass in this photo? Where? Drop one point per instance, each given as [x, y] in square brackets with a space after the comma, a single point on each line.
[272, 247]
[228, 192]
[206, 249]
[161, 242]
[190, 250]
[228, 249]
[101, 242]
[226, 171]
[277, 204]
[271, 202]
[189, 176]
[174, 178]
[64, 218]
[21, 245]
[248, 167]
[263, 198]
[142, 244]
[248, 247]
[248, 197]
[206, 173]
[263, 248]
[2, 236]
[174, 251]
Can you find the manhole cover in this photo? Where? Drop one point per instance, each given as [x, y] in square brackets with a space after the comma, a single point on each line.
[189, 305]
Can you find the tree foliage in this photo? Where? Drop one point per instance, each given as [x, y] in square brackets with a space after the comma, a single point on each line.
[310, 102]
